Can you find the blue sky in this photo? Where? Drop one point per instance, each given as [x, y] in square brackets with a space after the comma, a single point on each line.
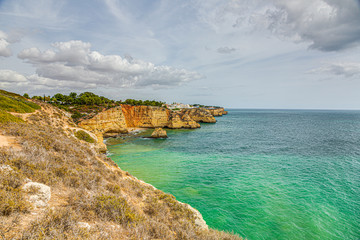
[234, 53]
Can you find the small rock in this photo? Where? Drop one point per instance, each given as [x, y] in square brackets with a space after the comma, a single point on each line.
[84, 225]
[6, 168]
[159, 133]
[39, 194]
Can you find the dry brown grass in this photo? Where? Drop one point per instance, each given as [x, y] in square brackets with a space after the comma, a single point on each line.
[94, 190]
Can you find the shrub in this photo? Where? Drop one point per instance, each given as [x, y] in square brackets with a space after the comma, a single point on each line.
[19, 105]
[6, 117]
[59, 224]
[82, 135]
[114, 208]
[12, 198]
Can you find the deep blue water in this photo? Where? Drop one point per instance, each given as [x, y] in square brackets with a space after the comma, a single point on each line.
[264, 174]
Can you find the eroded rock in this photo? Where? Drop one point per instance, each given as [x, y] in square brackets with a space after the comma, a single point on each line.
[159, 133]
[38, 194]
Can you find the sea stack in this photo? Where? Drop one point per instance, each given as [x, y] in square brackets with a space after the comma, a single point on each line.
[159, 133]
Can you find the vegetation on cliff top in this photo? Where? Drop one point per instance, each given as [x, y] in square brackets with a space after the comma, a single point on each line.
[11, 102]
[88, 104]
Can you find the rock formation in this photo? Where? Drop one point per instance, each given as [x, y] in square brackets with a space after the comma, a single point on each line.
[159, 133]
[217, 111]
[180, 120]
[119, 119]
[200, 115]
[108, 121]
[145, 116]
[39, 194]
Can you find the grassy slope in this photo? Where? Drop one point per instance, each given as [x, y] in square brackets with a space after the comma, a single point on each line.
[86, 187]
[11, 102]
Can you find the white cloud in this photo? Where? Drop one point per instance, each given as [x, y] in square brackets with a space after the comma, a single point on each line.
[346, 69]
[73, 62]
[9, 78]
[4, 45]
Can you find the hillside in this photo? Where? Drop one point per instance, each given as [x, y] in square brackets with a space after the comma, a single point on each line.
[54, 184]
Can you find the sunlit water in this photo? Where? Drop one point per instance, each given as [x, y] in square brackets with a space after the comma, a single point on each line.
[260, 173]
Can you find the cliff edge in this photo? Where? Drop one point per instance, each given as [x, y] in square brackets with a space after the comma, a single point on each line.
[56, 185]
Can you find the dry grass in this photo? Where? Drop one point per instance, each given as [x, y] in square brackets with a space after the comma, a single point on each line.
[94, 189]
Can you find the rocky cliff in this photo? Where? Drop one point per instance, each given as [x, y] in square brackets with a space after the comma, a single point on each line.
[146, 116]
[120, 119]
[200, 115]
[217, 111]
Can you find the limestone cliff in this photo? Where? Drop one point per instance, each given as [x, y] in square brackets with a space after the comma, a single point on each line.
[120, 119]
[146, 116]
[217, 111]
[200, 115]
[111, 120]
[181, 120]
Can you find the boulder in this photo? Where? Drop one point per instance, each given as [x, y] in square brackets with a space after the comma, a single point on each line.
[38, 194]
[159, 133]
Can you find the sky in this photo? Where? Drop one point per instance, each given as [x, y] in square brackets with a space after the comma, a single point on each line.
[277, 54]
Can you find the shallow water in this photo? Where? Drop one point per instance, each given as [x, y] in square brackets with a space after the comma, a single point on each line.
[264, 174]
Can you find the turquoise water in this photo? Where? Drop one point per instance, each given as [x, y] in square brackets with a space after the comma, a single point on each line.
[263, 174]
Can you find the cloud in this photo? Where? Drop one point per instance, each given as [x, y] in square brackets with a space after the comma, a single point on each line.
[9, 78]
[4, 45]
[74, 64]
[346, 69]
[327, 25]
[226, 50]
[330, 25]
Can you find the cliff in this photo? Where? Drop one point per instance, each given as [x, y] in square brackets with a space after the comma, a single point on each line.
[55, 186]
[120, 119]
[200, 115]
[217, 111]
[146, 116]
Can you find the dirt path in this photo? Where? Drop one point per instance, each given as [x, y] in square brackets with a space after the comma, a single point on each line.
[7, 141]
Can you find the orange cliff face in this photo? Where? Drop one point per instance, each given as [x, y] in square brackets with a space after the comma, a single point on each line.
[108, 121]
[146, 116]
[121, 118]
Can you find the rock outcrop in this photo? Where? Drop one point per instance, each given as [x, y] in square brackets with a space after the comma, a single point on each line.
[159, 133]
[200, 115]
[217, 111]
[111, 121]
[145, 116]
[181, 120]
[119, 119]
[108, 121]
[39, 194]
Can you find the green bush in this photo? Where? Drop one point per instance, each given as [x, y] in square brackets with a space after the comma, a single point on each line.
[17, 105]
[6, 117]
[82, 135]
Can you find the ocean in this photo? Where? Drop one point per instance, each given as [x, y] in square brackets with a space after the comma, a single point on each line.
[263, 174]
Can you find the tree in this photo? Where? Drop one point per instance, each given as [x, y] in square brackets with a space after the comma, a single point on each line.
[59, 97]
[73, 95]
[26, 95]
